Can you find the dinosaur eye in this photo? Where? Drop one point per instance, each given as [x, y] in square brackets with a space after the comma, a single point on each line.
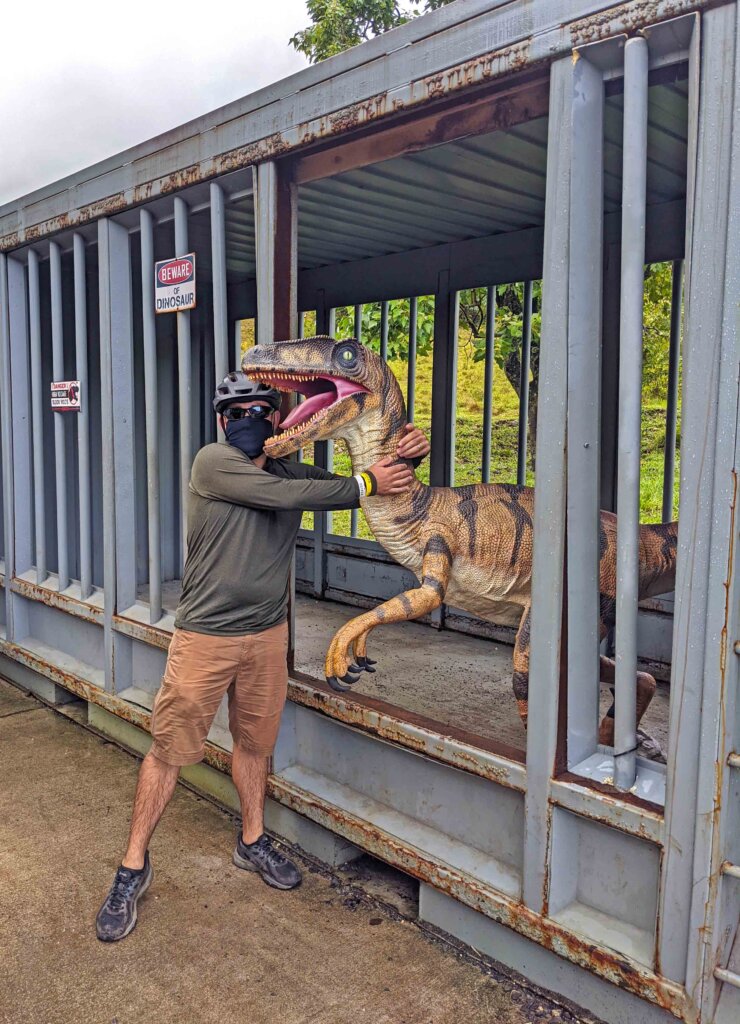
[346, 356]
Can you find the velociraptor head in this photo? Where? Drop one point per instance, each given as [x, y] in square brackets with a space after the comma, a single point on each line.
[343, 382]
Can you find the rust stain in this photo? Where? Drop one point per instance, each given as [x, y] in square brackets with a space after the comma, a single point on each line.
[52, 599]
[370, 720]
[628, 17]
[142, 631]
[180, 179]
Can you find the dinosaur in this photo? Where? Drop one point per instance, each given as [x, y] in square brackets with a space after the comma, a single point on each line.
[468, 546]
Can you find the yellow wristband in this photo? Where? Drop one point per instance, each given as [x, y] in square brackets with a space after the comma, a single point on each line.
[369, 483]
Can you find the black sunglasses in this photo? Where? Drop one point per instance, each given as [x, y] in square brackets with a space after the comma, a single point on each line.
[254, 412]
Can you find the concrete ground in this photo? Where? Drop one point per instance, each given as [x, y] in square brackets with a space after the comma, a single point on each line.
[458, 680]
[212, 943]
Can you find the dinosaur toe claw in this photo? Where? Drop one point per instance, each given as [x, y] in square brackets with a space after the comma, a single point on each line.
[350, 677]
[363, 664]
[356, 667]
[336, 685]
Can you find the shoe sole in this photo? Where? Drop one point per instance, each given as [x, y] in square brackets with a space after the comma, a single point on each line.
[145, 886]
[247, 865]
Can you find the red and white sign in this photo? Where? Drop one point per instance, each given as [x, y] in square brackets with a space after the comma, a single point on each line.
[65, 395]
[174, 284]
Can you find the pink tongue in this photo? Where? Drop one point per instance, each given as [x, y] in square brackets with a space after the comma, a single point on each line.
[306, 409]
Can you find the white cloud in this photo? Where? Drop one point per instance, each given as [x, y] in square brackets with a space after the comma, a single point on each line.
[83, 80]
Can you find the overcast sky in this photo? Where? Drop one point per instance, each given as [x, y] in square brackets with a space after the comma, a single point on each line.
[82, 80]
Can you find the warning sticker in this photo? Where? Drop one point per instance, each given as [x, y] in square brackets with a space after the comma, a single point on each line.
[65, 395]
[174, 284]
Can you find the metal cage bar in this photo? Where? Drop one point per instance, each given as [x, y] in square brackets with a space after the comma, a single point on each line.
[411, 369]
[521, 451]
[488, 382]
[354, 513]
[37, 408]
[634, 177]
[83, 417]
[218, 263]
[584, 367]
[671, 413]
[384, 329]
[549, 511]
[60, 451]
[184, 379]
[149, 332]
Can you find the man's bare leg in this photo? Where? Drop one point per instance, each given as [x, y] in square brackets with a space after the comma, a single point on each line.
[249, 772]
[154, 791]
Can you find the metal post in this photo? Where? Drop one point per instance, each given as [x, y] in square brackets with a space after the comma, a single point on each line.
[583, 372]
[218, 262]
[60, 451]
[634, 170]
[549, 513]
[384, 329]
[83, 418]
[6, 463]
[184, 374]
[444, 383]
[37, 406]
[521, 452]
[15, 414]
[151, 417]
[237, 345]
[671, 412]
[353, 516]
[488, 382]
[411, 385]
[118, 459]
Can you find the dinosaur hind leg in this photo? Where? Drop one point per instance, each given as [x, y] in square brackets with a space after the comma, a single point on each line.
[646, 687]
[520, 678]
[436, 567]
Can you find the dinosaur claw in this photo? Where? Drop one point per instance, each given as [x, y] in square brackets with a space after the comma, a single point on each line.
[356, 668]
[363, 664]
[370, 661]
[336, 685]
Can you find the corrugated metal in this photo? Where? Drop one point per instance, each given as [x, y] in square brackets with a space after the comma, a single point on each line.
[486, 185]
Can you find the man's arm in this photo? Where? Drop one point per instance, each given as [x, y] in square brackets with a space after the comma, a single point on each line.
[229, 476]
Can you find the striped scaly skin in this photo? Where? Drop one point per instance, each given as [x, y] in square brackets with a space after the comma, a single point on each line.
[468, 546]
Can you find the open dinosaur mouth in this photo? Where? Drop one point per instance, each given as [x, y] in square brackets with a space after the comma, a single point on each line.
[321, 391]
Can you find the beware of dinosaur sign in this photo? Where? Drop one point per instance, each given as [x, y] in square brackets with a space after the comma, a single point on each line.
[174, 284]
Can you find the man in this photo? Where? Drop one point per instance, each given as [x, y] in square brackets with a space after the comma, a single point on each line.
[231, 630]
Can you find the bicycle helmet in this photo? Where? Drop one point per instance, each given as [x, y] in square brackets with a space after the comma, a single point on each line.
[237, 387]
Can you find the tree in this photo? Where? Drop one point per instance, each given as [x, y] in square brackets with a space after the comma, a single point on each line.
[338, 24]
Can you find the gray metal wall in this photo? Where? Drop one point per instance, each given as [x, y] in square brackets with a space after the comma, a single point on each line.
[584, 867]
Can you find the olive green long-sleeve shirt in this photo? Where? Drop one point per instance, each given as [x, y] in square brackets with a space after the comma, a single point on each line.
[242, 526]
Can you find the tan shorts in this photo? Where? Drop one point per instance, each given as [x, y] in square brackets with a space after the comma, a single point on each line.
[201, 668]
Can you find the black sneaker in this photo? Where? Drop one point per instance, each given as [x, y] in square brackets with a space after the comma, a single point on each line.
[117, 917]
[263, 857]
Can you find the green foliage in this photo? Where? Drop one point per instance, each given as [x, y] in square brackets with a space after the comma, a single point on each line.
[399, 322]
[338, 24]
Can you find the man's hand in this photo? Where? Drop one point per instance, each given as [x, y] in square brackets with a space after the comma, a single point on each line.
[413, 444]
[391, 477]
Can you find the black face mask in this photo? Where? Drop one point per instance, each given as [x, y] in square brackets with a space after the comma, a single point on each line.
[249, 435]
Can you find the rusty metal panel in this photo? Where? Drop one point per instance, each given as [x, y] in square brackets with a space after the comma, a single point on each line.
[339, 95]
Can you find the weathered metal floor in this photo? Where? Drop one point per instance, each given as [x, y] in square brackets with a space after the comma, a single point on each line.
[454, 679]
[212, 943]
